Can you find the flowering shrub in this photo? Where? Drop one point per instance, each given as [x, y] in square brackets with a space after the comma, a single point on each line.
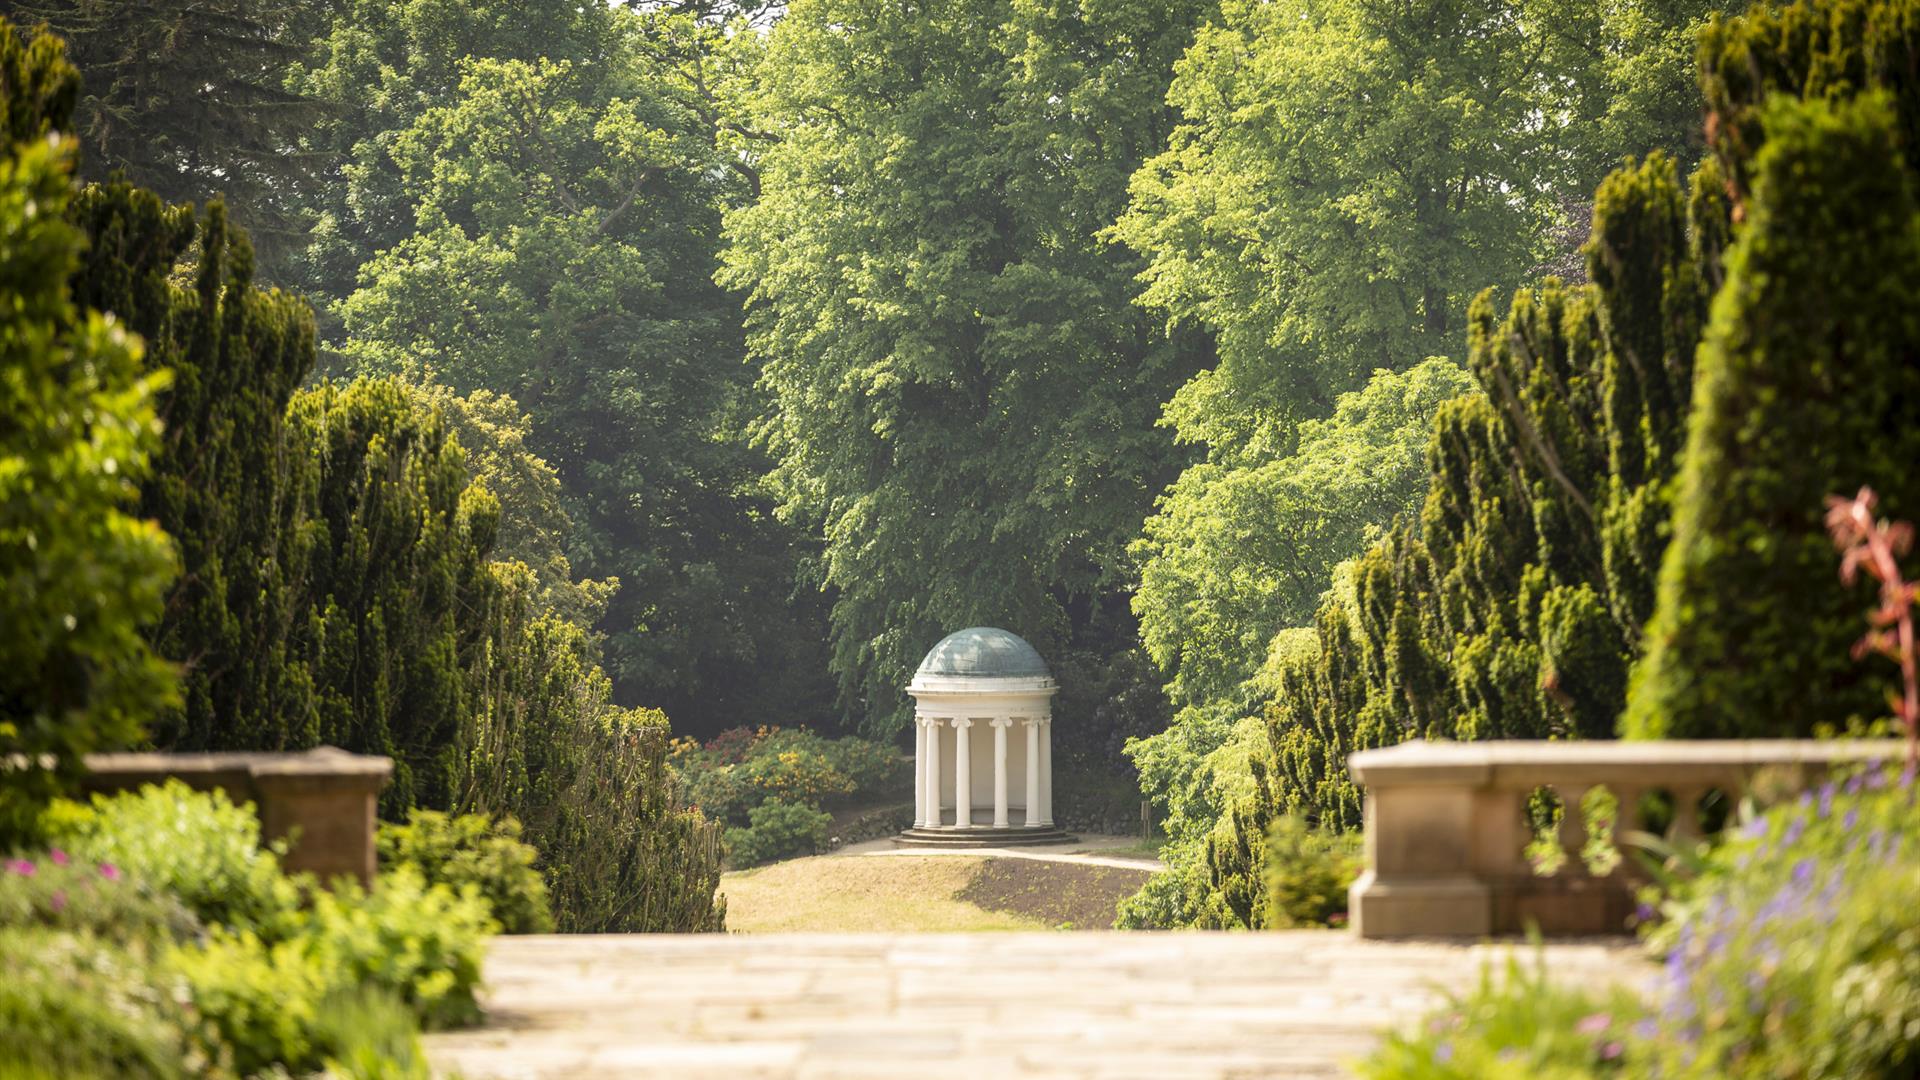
[55, 891]
[1521, 1027]
[198, 846]
[110, 973]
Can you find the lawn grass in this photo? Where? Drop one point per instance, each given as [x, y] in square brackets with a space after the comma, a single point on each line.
[854, 893]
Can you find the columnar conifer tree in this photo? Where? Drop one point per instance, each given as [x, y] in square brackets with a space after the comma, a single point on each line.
[1809, 375]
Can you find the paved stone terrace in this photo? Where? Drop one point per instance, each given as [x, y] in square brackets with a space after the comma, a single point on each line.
[1070, 1006]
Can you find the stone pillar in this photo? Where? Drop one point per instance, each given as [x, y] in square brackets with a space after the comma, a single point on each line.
[962, 773]
[1046, 770]
[1033, 772]
[919, 772]
[1000, 770]
[933, 772]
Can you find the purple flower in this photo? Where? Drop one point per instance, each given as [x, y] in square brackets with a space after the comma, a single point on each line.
[109, 871]
[1803, 872]
[1826, 799]
[1594, 1024]
[58, 857]
[23, 867]
[1443, 1053]
[1851, 818]
[58, 901]
[1646, 1029]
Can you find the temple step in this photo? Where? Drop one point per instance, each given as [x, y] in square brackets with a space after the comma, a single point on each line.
[979, 837]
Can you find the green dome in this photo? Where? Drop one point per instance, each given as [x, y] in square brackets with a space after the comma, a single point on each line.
[986, 652]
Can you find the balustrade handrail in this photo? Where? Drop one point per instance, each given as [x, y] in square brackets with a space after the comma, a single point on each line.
[1529, 764]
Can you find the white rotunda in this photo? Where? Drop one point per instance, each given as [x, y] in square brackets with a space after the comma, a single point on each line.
[983, 743]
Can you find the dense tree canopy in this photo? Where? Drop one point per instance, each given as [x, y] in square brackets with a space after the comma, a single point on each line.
[1347, 174]
[961, 400]
[562, 219]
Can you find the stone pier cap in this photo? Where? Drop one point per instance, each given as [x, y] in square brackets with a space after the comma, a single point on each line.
[323, 801]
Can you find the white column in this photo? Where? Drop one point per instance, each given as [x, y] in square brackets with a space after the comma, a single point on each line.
[1033, 771]
[962, 773]
[1000, 770]
[1046, 770]
[933, 771]
[919, 772]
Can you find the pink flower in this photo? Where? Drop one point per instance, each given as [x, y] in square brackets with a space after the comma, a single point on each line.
[1594, 1025]
[58, 901]
[58, 857]
[23, 867]
[1612, 1050]
[109, 871]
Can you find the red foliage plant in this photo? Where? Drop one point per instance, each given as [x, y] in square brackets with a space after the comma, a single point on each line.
[1878, 545]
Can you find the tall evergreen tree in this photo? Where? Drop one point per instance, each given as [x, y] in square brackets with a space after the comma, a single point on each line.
[1808, 375]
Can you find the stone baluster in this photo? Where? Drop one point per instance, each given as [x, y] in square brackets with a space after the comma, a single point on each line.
[1572, 832]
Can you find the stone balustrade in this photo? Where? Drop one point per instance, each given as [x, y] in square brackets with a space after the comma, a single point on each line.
[322, 802]
[1447, 824]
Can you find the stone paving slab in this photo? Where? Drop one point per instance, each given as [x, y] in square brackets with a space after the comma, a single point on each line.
[1067, 1006]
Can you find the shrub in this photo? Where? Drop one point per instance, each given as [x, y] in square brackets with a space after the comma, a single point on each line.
[264, 1003]
[472, 849]
[74, 1007]
[1307, 872]
[778, 830]
[1795, 951]
[424, 943]
[54, 891]
[1522, 1027]
[196, 845]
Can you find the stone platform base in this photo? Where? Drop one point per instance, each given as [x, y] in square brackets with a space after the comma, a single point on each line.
[981, 837]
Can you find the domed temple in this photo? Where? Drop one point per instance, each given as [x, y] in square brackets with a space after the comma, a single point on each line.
[983, 744]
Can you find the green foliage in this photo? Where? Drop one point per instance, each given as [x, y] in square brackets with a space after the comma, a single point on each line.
[1812, 353]
[79, 575]
[1512, 609]
[741, 768]
[777, 829]
[1519, 1027]
[74, 1007]
[472, 850]
[185, 98]
[223, 484]
[560, 197]
[1307, 873]
[261, 1001]
[1236, 553]
[1346, 175]
[1791, 953]
[961, 397]
[197, 846]
[54, 890]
